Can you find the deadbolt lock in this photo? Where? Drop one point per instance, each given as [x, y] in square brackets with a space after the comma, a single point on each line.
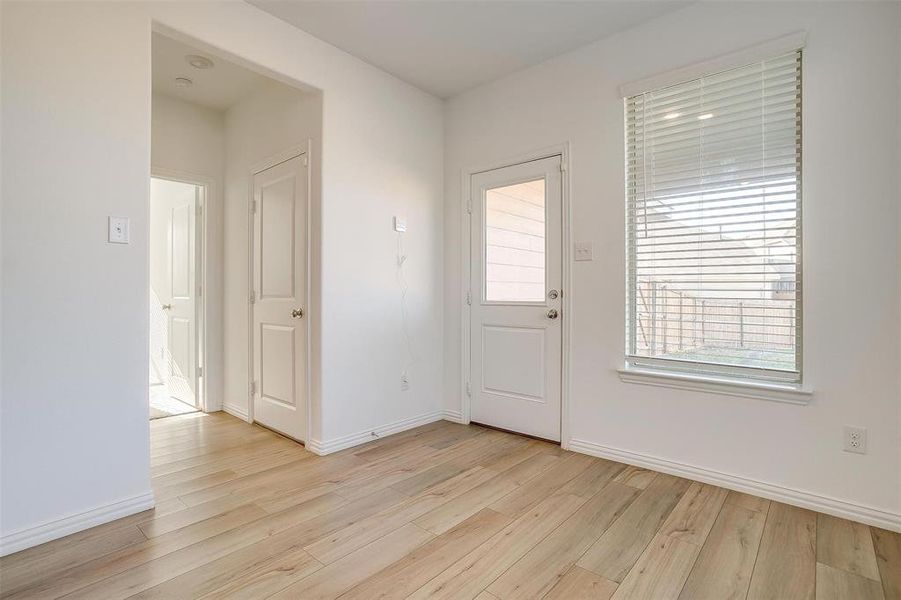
[553, 294]
[297, 313]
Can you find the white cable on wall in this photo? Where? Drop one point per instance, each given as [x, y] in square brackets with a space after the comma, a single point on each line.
[404, 288]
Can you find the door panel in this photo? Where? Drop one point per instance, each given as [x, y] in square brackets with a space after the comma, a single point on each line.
[277, 362]
[517, 256]
[181, 302]
[277, 237]
[180, 250]
[279, 284]
[180, 343]
[513, 362]
[174, 281]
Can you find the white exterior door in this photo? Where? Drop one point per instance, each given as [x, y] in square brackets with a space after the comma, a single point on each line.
[174, 280]
[279, 289]
[515, 294]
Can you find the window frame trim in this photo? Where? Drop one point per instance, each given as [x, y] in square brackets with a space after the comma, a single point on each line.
[722, 386]
[733, 380]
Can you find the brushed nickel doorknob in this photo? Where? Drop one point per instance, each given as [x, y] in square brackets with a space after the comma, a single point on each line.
[552, 314]
[167, 307]
[297, 313]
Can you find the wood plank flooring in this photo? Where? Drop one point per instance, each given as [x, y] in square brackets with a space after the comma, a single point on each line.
[444, 511]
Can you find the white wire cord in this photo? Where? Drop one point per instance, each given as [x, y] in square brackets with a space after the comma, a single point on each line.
[404, 288]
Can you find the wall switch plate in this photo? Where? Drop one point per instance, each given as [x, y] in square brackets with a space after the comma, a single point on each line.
[583, 251]
[855, 439]
[400, 224]
[118, 230]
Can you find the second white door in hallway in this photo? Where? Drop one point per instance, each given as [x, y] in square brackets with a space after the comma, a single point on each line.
[516, 268]
[175, 278]
[279, 336]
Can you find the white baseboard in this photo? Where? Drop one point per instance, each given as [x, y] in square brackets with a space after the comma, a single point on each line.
[236, 412]
[831, 506]
[454, 416]
[355, 439]
[32, 536]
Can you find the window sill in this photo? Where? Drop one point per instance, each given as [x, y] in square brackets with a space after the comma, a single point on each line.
[775, 392]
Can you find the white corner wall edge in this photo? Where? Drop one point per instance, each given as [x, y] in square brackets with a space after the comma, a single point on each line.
[32, 536]
[830, 506]
[355, 439]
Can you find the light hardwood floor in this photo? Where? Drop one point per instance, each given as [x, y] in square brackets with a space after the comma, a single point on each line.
[444, 511]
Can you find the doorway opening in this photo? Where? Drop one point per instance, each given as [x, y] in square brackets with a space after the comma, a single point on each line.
[515, 317]
[243, 145]
[176, 310]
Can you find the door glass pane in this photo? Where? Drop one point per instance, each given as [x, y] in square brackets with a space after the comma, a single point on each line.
[514, 242]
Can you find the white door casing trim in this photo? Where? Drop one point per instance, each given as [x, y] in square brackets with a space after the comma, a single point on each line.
[204, 402]
[267, 163]
[563, 151]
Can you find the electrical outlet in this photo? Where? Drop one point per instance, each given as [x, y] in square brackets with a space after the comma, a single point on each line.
[118, 230]
[855, 439]
[404, 382]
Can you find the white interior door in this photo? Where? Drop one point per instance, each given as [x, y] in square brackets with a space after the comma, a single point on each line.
[517, 272]
[279, 288]
[174, 207]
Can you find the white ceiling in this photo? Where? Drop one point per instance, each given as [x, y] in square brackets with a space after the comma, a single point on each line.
[219, 87]
[446, 47]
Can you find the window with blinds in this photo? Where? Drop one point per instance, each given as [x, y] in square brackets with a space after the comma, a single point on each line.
[714, 224]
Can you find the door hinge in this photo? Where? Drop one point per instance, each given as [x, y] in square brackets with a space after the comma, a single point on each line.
[469, 298]
[199, 211]
[562, 167]
[253, 388]
[306, 161]
[469, 205]
[252, 297]
[253, 206]
[468, 389]
[200, 371]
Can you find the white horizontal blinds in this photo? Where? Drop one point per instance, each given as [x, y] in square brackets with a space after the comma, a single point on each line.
[713, 219]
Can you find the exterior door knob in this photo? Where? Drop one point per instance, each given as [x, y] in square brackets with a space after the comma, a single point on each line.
[552, 314]
[297, 313]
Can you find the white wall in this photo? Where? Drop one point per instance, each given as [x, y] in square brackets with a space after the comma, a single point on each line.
[267, 122]
[190, 139]
[76, 136]
[851, 269]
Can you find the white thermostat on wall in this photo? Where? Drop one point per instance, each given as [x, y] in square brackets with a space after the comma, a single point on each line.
[400, 224]
[118, 230]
